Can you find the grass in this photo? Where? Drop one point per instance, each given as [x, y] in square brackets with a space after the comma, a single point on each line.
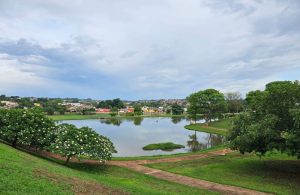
[276, 173]
[77, 116]
[167, 146]
[22, 173]
[217, 127]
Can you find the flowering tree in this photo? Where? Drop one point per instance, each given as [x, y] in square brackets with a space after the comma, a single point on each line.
[27, 127]
[71, 141]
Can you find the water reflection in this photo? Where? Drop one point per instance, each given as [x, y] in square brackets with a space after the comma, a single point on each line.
[210, 141]
[177, 119]
[193, 143]
[112, 121]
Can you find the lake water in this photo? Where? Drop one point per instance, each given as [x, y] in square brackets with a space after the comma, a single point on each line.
[131, 135]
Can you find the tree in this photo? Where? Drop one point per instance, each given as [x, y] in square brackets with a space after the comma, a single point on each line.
[271, 121]
[137, 110]
[27, 127]
[71, 141]
[115, 103]
[176, 109]
[234, 101]
[25, 103]
[209, 102]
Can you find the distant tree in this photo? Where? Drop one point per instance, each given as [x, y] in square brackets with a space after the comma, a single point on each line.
[272, 120]
[25, 103]
[61, 109]
[234, 102]
[137, 110]
[115, 103]
[209, 102]
[49, 110]
[176, 109]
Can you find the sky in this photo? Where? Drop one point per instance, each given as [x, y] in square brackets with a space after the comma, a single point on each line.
[146, 49]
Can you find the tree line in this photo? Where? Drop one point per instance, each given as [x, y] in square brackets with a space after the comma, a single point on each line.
[270, 119]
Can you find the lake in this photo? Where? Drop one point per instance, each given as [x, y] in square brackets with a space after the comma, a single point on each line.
[130, 135]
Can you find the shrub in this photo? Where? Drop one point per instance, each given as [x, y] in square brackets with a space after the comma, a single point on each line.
[27, 127]
[71, 141]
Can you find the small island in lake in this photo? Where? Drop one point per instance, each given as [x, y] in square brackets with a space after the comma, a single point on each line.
[167, 146]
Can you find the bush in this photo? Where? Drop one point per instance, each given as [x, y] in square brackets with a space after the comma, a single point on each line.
[71, 141]
[27, 127]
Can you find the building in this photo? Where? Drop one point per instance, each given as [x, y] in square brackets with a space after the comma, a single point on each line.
[102, 110]
[9, 104]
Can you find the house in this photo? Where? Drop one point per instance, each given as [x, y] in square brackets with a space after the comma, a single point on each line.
[102, 110]
[9, 104]
[126, 110]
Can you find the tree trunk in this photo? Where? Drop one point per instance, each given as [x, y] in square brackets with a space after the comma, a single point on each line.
[67, 161]
[14, 143]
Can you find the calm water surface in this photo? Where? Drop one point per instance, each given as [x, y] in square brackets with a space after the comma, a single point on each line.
[131, 135]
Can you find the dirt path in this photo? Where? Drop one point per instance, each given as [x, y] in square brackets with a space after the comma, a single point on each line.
[136, 165]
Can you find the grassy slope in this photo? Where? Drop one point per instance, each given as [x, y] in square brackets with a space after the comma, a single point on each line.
[18, 176]
[217, 127]
[98, 116]
[276, 173]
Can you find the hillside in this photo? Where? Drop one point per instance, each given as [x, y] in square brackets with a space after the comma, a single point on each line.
[22, 173]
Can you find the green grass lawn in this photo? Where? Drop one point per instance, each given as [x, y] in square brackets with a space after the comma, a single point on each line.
[22, 173]
[78, 116]
[217, 127]
[277, 173]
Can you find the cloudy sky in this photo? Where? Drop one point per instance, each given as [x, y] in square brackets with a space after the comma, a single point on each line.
[144, 49]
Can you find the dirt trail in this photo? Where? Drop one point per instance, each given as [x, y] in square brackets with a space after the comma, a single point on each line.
[136, 165]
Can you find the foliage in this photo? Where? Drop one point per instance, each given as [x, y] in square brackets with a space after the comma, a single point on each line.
[115, 103]
[168, 146]
[209, 102]
[137, 110]
[52, 106]
[113, 114]
[176, 109]
[272, 120]
[71, 141]
[234, 102]
[27, 127]
[25, 103]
